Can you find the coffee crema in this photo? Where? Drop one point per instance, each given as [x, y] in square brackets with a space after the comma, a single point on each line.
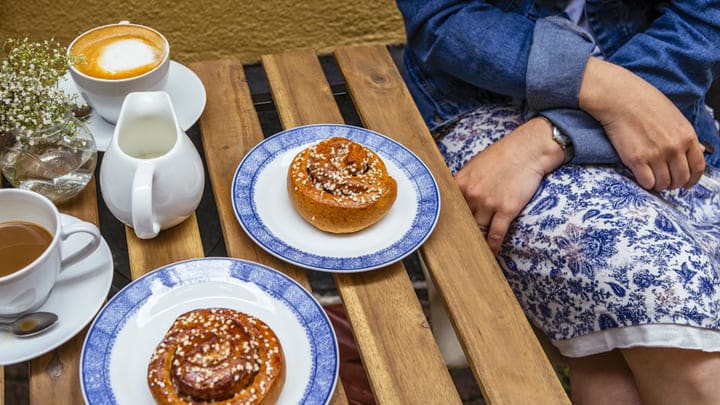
[21, 243]
[118, 51]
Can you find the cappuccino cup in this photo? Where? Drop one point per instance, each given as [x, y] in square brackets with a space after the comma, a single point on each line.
[32, 252]
[109, 62]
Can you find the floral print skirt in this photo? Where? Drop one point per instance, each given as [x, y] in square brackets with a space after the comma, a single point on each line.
[599, 263]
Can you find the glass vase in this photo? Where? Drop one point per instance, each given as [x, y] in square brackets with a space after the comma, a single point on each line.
[57, 162]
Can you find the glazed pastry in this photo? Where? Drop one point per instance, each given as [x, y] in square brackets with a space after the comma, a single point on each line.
[219, 356]
[340, 186]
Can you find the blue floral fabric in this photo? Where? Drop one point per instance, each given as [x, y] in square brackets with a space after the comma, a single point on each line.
[593, 252]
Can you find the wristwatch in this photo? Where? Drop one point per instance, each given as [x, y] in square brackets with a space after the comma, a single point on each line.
[563, 140]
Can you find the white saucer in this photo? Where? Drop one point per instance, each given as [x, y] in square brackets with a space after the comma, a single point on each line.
[77, 296]
[186, 91]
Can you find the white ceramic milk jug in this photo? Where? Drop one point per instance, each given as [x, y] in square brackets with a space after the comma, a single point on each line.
[151, 176]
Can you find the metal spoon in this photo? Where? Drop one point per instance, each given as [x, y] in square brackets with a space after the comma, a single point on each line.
[30, 324]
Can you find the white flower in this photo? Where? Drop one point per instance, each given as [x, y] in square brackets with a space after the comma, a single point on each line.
[30, 97]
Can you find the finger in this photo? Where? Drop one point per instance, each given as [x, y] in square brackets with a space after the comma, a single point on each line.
[498, 229]
[483, 220]
[661, 171]
[696, 163]
[679, 171]
[644, 176]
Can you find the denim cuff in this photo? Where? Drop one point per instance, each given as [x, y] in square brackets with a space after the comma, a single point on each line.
[559, 52]
[587, 135]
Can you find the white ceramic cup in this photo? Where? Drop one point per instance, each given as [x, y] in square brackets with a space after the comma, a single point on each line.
[28, 288]
[104, 94]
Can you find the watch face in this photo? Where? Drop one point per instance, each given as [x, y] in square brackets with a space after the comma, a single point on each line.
[565, 143]
[559, 137]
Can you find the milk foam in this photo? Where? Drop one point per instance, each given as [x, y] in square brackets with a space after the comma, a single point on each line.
[126, 54]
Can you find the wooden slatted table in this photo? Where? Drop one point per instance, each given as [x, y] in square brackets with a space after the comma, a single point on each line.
[399, 353]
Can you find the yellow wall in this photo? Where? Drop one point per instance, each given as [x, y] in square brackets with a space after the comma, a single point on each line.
[203, 30]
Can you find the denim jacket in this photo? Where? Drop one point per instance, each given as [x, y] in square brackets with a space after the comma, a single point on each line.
[460, 54]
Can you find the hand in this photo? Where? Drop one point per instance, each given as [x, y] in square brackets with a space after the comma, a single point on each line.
[499, 182]
[654, 140]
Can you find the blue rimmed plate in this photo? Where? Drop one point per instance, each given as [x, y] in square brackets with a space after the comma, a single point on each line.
[264, 210]
[118, 346]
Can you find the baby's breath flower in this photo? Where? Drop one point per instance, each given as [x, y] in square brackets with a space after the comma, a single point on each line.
[29, 95]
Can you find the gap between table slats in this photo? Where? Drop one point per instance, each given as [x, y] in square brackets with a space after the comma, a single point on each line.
[230, 128]
[504, 354]
[399, 353]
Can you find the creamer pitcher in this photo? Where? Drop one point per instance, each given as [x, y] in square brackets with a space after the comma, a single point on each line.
[151, 176]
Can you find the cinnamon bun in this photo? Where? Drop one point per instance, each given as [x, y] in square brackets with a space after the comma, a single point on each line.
[219, 356]
[340, 186]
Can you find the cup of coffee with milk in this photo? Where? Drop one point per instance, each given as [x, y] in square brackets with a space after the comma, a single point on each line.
[111, 61]
[35, 249]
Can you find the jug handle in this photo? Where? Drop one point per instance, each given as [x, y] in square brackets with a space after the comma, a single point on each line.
[144, 225]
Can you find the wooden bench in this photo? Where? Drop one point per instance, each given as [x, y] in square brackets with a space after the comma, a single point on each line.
[400, 355]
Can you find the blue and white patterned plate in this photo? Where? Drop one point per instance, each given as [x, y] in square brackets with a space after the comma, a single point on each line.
[264, 210]
[118, 346]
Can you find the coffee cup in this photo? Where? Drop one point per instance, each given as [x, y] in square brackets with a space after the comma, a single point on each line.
[32, 249]
[111, 61]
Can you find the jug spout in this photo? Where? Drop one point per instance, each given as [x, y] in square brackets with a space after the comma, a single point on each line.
[147, 103]
[147, 126]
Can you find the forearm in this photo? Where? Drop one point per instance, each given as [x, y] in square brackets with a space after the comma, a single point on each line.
[548, 154]
[602, 86]
[678, 55]
[650, 134]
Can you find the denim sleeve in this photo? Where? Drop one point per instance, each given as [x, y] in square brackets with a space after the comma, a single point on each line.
[508, 54]
[556, 64]
[587, 135]
[475, 42]
[679, 53]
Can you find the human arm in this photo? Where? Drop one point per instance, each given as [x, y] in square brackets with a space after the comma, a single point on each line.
[642, 97]
[677, 57]
[498, 182]
[679, 53]
[542, 61]
[489, 48]
[652, 137]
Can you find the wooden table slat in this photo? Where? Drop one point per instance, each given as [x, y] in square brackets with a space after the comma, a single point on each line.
[230, 128]
[178, 243]
[300, 91]
[54, 376]
[400, 356]
[504, 354]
